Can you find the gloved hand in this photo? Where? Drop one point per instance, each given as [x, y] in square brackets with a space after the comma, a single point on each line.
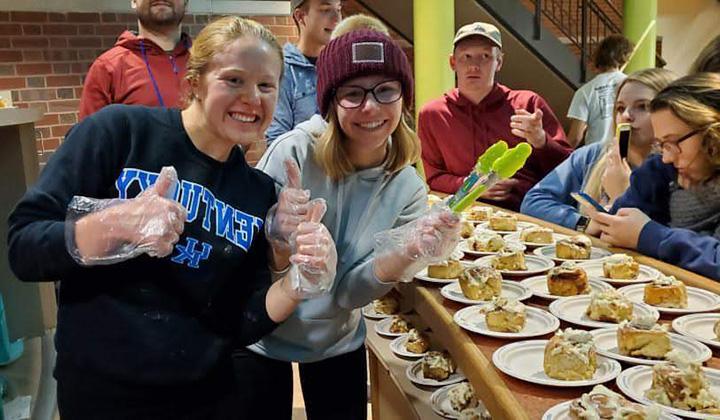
[314, 257]
[107, 231]
[401, 252]
[292, 207]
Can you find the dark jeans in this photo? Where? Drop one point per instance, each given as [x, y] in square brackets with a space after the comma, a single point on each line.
[334, 388]
[84, 395]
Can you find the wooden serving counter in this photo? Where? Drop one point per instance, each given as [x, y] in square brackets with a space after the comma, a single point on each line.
[504, 396]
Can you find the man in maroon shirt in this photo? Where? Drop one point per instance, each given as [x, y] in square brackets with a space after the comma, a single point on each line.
[143, 68]
[458, 127]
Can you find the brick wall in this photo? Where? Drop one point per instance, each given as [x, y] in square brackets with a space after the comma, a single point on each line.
[44, 57]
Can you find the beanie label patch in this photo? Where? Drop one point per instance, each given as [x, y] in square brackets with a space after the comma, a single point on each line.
[368, 52]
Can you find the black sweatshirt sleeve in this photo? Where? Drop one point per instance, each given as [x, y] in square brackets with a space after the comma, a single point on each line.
[83, 165]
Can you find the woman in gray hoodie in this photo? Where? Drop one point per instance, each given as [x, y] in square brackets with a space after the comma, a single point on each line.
[359, 160]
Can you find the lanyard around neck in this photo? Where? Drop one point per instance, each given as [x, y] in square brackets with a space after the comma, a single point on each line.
[152, 76]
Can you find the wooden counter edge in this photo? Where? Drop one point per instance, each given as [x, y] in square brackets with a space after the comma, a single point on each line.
[374, 397]
[480, 371]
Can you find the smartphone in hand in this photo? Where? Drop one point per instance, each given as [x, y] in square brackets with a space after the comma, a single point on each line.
[585, 199]
[623, 135]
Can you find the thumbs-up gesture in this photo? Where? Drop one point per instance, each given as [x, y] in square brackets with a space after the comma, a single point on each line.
[156, 218]
[529, 127]
[111, 231]
[314, 258]
[291, 209]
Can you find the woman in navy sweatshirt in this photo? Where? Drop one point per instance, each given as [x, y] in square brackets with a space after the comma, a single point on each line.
[148, 336]
[672, 209]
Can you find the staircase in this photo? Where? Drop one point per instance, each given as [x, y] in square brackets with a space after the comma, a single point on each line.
[550, 42]
[579, 25]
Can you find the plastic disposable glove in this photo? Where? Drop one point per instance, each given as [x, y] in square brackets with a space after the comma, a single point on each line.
[292, 208]
[401, 252]
[314, 257]
[107, 231]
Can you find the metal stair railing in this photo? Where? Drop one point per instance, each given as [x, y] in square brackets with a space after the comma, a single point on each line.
[583, 22]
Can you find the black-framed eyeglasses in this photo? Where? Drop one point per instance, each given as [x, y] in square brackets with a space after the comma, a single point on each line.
[674, 145]
[386, 92]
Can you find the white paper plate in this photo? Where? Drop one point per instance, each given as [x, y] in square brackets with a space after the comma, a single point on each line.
[398, 347]
[520, 226]
[595, 269]
[524, 360]
[383, 328]
[510, 289]
[516, 237]
[465, 248]
[572, 310]
[699, 327]
[634, 381]
[414, 373]
[537, 323]
[606, 345]
[534, 263]
[549, 252]
[538, 286]
[422, 274]
[440, 402]
[699, 300]
[562, 412]
[370, 312]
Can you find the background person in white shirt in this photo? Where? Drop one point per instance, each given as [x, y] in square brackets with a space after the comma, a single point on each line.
[591, 109]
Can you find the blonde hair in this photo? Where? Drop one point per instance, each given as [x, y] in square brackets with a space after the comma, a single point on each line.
[333, 158]
[358, 22]
[215, 37]
[695, 99]
[654, 79]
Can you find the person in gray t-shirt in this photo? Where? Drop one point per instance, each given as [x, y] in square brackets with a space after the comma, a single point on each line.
[591, 109]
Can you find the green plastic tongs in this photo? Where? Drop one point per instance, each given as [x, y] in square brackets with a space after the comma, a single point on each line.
[497, 163]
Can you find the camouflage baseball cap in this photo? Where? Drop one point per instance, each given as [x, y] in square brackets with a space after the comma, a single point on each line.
[483, 29]
[294, 4]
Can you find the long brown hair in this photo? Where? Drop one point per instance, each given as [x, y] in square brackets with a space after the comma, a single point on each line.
[695, 99]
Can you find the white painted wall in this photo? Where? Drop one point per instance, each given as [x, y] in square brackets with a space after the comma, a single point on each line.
[263, 7]
[686, 27]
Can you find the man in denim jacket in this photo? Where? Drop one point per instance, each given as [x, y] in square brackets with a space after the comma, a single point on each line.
[297, 102]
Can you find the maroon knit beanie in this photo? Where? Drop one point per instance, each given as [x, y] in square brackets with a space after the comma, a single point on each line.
[356, 54]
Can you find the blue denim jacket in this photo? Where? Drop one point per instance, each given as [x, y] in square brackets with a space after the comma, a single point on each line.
[297, 97]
